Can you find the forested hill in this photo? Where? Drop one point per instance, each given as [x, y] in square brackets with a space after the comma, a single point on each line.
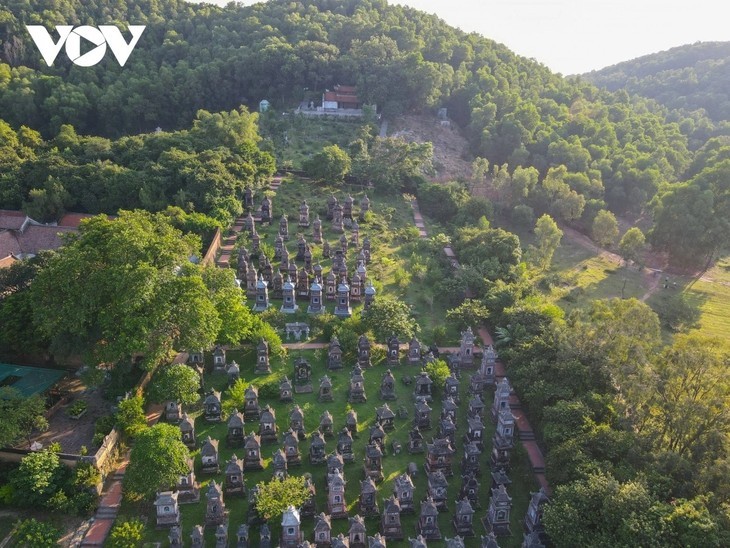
[690, 77]
[615, 149]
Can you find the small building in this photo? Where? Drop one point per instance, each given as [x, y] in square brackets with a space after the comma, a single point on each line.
[503, 440]
[533, 518]
[437, 487]
[326, 424]
[252, 459]
[335, 462]
[449, 409]
[291, 448]
[304, 214]
[343, 308]
[264, 105]
[236, 431]
[414, 351]
[351, 422]
[476, 406]
[187, 488]
[387, 386]
[266, 211]
[296, 420]
[251, 408]
[291, 533]
[334, 355]
[309, 508]
[357, 386]
[344, 445]
[464, 518]
[475, 432]
[221, 536]
[167, 509]
[325, 389]
[418, 542]
[234, 477]
[498, 514]
[466, 348]
[470, 489]
[423, 386]
[501, 398]
[196, 537]
[289, 306]
[267, 425]
[209, 456]
[317, 448]
[173, 411]
[403, 490]
[284, 227]
[368, 498]
[357, 534]
[393, 356]
[385, 417]
[265, 536]
[262, 295]
[187, 431]
[451, 388]
[212, 406]
[470, 461]
[422, 418]
[415, 441]
[242, 536]
[374, 462]
[302, 371]
[323, 530]
[215, 513]
[336, 505]
[377, 435]
[219, 358]
[262, 359]
[363, 352]
[286, 390]
[315, 297]
[234, 373]
[369, 295]
[175, 536]
[439, 456]
[317, 230]
[280, 464]
[428, 525]
[390, 524]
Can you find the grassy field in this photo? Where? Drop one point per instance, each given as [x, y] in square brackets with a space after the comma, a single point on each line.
[295, 138]
[393, 465]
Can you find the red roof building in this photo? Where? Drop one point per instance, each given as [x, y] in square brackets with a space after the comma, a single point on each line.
[342, 97]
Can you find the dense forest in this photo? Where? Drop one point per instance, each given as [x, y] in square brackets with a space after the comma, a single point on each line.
[514, 110]
[689, 78]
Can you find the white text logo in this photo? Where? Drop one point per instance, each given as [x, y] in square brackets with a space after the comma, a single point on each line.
[105, 35]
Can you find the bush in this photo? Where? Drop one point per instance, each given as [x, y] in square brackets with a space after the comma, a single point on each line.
[126, 534]
[523, 216]
[269, 390]
[77, 408]
[36, 534]
[131, 416]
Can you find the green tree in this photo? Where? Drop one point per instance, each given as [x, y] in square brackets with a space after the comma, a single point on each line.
[438, 371]
[131, 416]
[235, 396]
[156, 461]
[632, 244]
[127, 534]
[38, 479]
[471, 313]
[605, 228]
[176, 382]
[275, 496]
[20, 415]
[388, 316]
[126, 286]
[31, 533]
[331, 165]
[547, 238]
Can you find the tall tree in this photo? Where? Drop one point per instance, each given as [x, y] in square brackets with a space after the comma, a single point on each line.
[275, 496]
[605, 228]
[547, 238]
[157, 460]
[632, 244]
[177, 382]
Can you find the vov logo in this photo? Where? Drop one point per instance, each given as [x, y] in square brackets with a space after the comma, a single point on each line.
[101, 37]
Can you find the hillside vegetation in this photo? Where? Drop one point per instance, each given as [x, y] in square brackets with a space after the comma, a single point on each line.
[690, 77]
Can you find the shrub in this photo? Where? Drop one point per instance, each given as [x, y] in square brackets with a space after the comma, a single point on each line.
[36, 534]
[126, 534]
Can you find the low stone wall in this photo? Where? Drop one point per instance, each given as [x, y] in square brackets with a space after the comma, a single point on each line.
[215, 245]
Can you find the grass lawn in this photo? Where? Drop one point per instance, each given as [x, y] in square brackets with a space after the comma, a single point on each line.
[393, 465]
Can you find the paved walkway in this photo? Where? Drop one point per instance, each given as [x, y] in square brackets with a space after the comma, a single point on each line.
[526, 433]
